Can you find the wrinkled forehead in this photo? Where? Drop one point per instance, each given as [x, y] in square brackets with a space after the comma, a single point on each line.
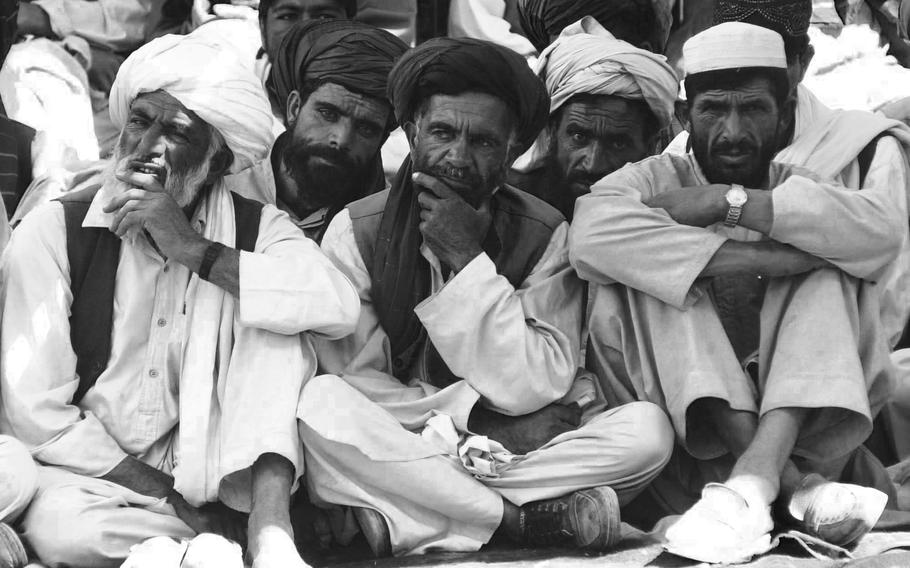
[163, 107]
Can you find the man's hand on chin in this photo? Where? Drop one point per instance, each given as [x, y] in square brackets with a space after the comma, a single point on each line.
[697, 206]
[147, 207]
[451, 227]
[526, 433]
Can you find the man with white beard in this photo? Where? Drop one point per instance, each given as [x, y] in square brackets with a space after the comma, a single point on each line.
[155, 376]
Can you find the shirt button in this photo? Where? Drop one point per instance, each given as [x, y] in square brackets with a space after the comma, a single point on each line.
[153, 373]
[162, 322]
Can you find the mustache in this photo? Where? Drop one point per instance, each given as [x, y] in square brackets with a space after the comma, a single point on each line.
[734, 148]
[461, 175]
[299, 153]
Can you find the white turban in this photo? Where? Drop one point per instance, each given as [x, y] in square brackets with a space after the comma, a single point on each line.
[208, 79]
[586, 58]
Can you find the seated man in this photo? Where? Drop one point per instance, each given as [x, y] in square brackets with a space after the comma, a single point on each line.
[458, 376]
[332, 76]
[608, 102]
[159, 383]
[777, 278]
[643, 23]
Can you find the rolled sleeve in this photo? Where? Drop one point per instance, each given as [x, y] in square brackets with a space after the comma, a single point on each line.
[287, 285]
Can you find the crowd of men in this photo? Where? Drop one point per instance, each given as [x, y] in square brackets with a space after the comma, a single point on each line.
[550, 318]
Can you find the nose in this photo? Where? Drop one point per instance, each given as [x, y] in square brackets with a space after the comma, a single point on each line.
[732, 128]
[341, 134]
[458, 154]
[596, 159]
[152, 144]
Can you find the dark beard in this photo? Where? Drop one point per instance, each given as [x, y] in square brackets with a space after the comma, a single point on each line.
[715, 172]
[333, 185]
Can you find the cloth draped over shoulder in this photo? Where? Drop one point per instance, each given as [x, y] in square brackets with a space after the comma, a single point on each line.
[587, 59]
[400, 274]
[354, 55]
[206, 79]
[543, 19]
[452, 66]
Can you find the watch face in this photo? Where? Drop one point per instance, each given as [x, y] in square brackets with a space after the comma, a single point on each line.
[737, 197]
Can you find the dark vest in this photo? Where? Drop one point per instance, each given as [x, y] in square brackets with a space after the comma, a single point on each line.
[15, 161]
[94, 253]
[520, 233]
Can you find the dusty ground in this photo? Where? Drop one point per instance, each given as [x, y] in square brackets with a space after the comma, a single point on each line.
[636, 551]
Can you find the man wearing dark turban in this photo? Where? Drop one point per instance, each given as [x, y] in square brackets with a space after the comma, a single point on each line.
[454, 410]
[643, 23]
[329, 78]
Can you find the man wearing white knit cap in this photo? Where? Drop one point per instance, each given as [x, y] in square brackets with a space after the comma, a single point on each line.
[151, 360]
[608, 102]
[749, 312]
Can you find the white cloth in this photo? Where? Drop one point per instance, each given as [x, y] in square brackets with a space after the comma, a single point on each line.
[445, 506]
[206, 78]
[483, 19]
[286, 286]
[732, 45]
[18, 479]
[119, 25]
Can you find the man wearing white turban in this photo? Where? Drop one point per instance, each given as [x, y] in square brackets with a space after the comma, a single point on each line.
[151, 360]
[608, 102]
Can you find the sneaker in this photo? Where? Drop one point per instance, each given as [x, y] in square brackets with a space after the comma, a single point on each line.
[586, 519]
[838, 513]
[721, 528]
[375, 530]
[12, 553]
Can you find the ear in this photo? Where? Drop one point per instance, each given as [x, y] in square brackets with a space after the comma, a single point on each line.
[681, 110]
[292, 108]
[410, 132]
[805, 59]
[221, 163]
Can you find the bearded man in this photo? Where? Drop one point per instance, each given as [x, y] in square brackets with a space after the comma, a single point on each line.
[159, 384]
[750, 313]
[609, 101]
[332, 75]
[460, 370]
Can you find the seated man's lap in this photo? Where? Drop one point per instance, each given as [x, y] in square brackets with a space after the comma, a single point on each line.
[18, 478]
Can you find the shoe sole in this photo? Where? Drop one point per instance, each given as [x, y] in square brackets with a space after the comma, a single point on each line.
[595, 519]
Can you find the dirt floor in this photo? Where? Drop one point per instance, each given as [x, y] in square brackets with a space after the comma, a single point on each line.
[637, 550]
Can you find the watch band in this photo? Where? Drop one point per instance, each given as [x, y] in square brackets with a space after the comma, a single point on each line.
[733, 215]
[735, 206]
[208, 259]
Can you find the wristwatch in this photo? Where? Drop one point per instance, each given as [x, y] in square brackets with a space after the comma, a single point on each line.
[736, 199]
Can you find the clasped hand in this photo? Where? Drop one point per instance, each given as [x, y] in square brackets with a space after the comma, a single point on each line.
[697, 206]
[451, 227]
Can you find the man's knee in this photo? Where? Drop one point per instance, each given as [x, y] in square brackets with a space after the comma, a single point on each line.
[64, 529]
[649, 436]
[18, 478]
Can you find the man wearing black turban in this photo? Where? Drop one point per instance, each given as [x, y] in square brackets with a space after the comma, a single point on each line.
[454, 410]
[643, 23]
[329, 81]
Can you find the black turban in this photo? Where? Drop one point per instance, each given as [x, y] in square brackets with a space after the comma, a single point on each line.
[351, 54]
[643, 23]
[789, 18]
[447, 66]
